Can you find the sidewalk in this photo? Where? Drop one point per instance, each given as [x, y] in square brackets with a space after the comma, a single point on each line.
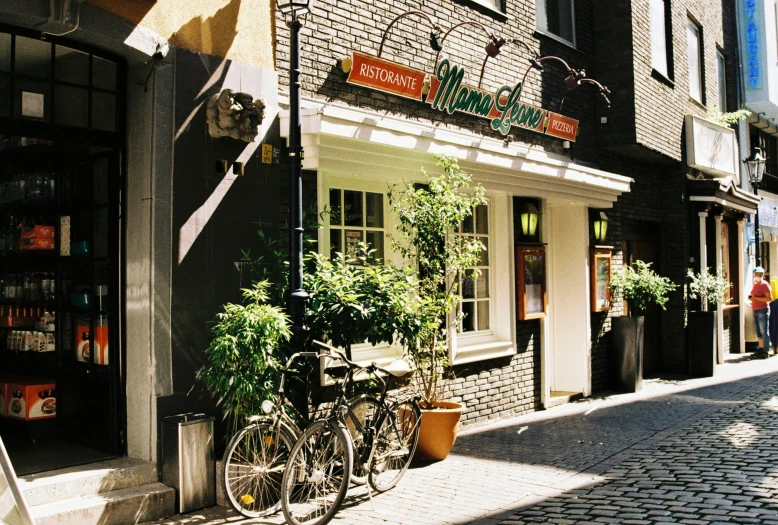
[680, 451]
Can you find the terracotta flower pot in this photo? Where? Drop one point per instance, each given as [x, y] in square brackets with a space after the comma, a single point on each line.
[439, 427]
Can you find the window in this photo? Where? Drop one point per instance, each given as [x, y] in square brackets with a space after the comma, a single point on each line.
[659, 37]
[769, 145]
[356, 216]
[491, 4]
[721, 74]
[556, 17]
[476, 299]
[694, 40]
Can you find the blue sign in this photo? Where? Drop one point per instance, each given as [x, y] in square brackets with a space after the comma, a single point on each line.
[752, 47]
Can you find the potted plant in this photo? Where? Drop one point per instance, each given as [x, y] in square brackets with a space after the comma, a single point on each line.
[639, 286]
[709, 288]
[427, 214]
[243, 355]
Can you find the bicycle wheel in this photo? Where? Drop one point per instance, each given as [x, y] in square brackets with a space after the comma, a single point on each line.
[365, 409]
[253, 467]
[395, 443]
[317, 475]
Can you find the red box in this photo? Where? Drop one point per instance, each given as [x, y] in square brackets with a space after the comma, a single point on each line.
[36, 243]
[37, 238]
[38, 231]
[32, 399]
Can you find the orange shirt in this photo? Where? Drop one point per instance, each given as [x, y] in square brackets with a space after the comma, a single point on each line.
[760, 289]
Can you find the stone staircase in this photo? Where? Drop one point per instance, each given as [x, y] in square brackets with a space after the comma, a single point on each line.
[114, 492]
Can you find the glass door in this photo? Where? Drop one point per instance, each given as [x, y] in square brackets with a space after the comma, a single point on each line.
[90, 361]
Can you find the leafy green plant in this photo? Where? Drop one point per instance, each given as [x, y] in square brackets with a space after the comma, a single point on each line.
[353, 300]
[709, 287]
[243, 357]
[726, 119]
[427, 214]
[640, 286]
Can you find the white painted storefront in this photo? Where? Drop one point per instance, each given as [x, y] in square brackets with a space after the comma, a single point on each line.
[361, 151]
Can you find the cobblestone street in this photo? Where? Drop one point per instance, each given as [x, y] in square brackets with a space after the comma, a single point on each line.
[697, 451]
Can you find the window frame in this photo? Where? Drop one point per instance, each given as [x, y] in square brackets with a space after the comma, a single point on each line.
[721, 80]
[500, 339]
[364, 228]
[542, 28]
[692, 24]
[488, 267]
[666, 39]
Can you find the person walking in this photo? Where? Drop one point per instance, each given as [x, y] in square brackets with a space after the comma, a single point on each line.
[761, 296]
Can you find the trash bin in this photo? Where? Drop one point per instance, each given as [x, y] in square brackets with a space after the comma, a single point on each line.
[188, 463]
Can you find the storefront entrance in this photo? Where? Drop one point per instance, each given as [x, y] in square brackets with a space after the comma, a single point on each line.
[61, 145]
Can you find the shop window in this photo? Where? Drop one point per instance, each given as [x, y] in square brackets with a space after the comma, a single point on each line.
[659, 37]
[474, 285]
[496, 5]
[725, 262]
[32, 57]
[71, 106]
[557, 18]
[356, 216]
[721, 74]
[103, 74]
[71, 65]
[5, 52]
[694, 46]
[57, 83]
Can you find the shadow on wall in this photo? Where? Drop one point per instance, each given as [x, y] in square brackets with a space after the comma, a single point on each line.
[213, 35]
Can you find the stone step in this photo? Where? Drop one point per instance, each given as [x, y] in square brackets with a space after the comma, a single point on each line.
[86, 480]
[126, 506]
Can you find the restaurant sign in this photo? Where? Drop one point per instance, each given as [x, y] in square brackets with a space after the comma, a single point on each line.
[445, 91]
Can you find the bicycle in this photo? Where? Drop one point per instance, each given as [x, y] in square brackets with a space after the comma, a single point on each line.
[255, 457]
[320, 464]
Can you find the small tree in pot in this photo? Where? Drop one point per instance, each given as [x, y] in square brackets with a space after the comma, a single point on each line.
[639, 286]
[427, 214]
[704, 350]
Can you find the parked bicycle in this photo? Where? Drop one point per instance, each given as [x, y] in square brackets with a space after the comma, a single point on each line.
[254, 460]
[320, 464]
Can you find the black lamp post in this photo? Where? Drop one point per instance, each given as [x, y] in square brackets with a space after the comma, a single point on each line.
[755, 164]
[297, 296]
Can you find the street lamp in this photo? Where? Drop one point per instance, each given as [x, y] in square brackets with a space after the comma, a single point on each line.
[297, 296]
[755, 164]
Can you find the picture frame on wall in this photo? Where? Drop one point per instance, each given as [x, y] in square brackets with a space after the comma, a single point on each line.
[531, 281]
[601, 276]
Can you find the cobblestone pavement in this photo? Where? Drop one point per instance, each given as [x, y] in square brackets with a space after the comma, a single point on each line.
[700, 451]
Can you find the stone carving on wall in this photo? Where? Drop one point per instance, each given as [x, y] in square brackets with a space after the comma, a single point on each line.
[236, 115]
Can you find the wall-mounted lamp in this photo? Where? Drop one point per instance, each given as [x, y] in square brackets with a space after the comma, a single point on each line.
[529, 219]
[600, 224]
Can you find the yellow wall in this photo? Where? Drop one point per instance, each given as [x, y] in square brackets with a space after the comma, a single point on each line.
[240, 30]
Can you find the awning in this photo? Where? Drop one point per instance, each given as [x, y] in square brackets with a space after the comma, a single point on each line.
[339, 138]
[724, 193]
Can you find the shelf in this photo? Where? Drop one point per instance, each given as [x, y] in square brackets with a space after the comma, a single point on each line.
[47, 207]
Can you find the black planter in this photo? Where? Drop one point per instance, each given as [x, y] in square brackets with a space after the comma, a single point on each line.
[627, 339]
[702, 332]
